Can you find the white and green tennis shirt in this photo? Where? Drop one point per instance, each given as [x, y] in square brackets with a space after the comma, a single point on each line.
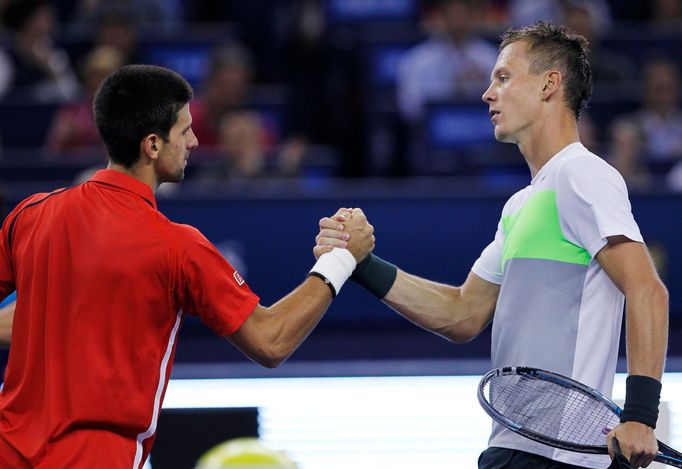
[557, 309]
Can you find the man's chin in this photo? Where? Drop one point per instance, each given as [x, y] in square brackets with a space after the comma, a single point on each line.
[502, 136]
[173, 178]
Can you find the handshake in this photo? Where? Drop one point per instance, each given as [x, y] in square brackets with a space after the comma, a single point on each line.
[348, 229]
[343, 249]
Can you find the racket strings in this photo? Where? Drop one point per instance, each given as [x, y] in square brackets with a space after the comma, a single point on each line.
[549, 409]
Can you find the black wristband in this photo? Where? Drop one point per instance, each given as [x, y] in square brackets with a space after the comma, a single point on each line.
[642, 396]
[375, 274]
[325, 280]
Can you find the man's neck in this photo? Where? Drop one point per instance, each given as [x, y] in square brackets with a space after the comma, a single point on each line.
[138, 172]
[549, 139]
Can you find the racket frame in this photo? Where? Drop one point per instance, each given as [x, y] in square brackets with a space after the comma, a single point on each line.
[666, 454]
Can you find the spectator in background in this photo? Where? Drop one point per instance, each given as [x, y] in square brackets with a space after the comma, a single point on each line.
[115, 24]
[659, 115]
[325, 70]
[118, 29]
[312, 73]
[524, 12]
[39, 71]
[244, 153]
[242, 142]
[162, 15]
[666, 15]
[626, 152]
[452, 63]
[73, 135]
[592, 20]
[245, 141]
[225, 89]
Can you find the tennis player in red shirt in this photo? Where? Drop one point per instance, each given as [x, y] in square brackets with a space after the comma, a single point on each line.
[104, 281]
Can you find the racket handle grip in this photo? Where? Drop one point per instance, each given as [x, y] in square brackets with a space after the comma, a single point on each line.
[616, 446]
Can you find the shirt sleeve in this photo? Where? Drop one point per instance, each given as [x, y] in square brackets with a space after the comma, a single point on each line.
[489, 264]
[7, 279]
[211, 288]
[593, 204]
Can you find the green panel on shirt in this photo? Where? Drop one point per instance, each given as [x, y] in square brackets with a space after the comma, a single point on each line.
[535, 233]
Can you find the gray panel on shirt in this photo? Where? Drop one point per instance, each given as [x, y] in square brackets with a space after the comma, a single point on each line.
[536, 324]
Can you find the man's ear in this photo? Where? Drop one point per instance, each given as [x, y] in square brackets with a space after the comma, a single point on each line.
[151, 146]
[551, 84]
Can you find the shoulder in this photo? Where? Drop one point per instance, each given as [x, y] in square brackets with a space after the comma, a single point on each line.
[186, 237]
[36, 199]
[179, 231]
[186, 242]
[585, 178]
[26, 204]
[584, 165]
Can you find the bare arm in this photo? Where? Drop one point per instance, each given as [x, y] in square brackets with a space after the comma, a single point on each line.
[6, 318]
[271, 334]
[457, 313]
[629, 265]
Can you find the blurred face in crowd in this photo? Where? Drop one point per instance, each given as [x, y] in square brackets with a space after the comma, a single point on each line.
[661, 91]
[626, 141]
[228, 87]
[514, 95]
[118, 34]
[458, 19]
[40, 24]
[579, 20]
[173, 155]
[99, 64]
[667, 9]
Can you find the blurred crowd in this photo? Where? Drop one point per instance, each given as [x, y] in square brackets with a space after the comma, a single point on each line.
[334, 88]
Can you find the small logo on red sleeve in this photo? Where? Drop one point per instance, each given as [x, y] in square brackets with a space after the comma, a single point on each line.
[238, 278]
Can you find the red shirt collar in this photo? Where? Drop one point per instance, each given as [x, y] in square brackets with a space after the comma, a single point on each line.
[124, 181]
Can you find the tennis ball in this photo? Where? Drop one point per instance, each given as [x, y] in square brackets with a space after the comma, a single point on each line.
[246, 453]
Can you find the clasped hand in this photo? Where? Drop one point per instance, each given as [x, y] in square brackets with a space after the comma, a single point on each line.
[347, 228]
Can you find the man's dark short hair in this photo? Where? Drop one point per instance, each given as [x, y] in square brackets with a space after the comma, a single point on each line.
[135, 101]
[556, 47]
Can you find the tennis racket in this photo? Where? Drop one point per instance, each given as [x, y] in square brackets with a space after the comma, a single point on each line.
[555, 410]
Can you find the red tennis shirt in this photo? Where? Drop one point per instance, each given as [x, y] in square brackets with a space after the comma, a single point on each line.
[103, 280]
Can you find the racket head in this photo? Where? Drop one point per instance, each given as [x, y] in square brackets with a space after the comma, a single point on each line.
[549, 408]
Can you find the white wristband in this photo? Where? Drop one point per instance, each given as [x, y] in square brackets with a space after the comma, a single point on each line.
[335, 266]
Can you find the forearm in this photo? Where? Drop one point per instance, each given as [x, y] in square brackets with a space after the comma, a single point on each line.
[647, 338]
[456, 313]
[295, 316]
[6, 319]
[647, 330]
[271, 334]
[629, 266]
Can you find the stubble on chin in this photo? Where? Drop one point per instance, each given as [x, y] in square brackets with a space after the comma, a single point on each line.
[175, 177]
[500, 136]
[179, 176]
